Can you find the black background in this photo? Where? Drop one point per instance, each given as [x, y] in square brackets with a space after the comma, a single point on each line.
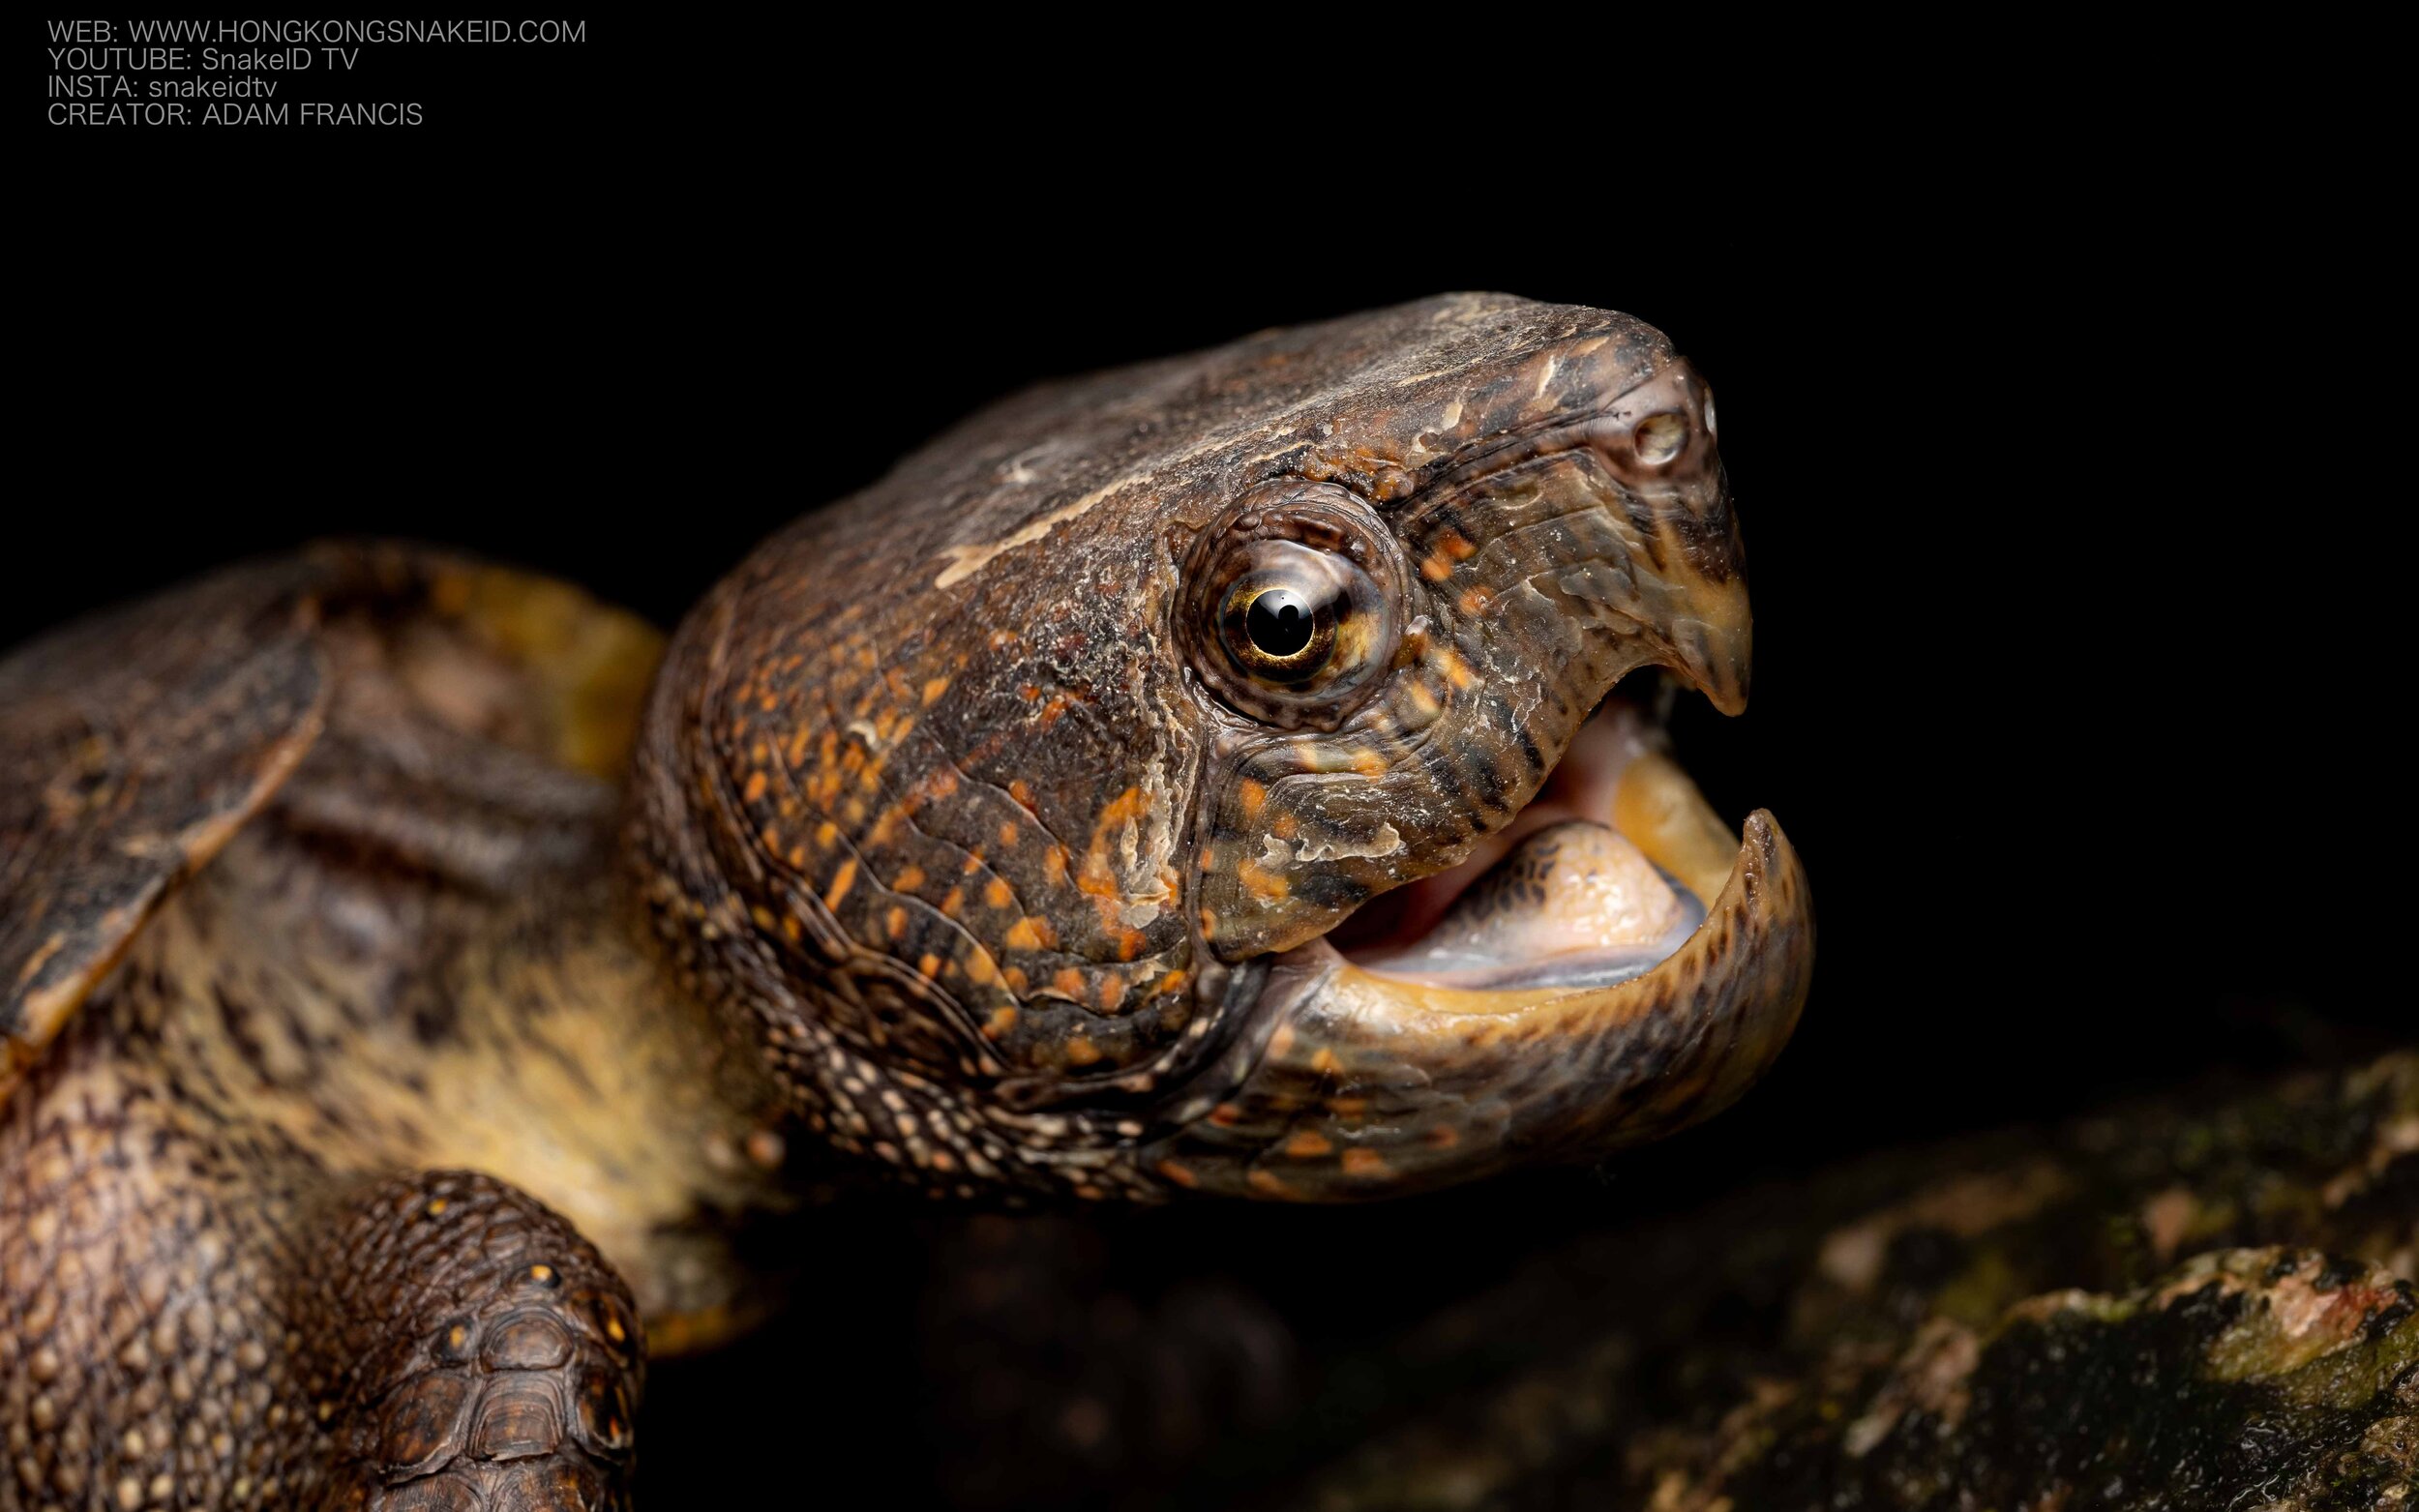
[2064, 528]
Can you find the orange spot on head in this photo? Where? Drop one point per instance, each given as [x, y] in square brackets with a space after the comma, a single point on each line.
[1177, 1174]
[841, 881]
[1263, 883]
[1456, 545]
[1308, 1145]
[1436, 569]
[1032, 932]
[1251, 795]
[952, 903]
[1023, 794]
[756, 786]
[1368, 763]
[934, 689]
[1069, 983]
[1173, 982]
[909, 880]
[928, 966]
[1001, 1021]
[1112, 992]
[1364, 1163]
[1226, 1115]
[1081, 1051]
[1015, 979]
[1053, 865]
[1443, 1136]
[1267, 1182]
[1008, 834]
[999, 894]
[895, 921]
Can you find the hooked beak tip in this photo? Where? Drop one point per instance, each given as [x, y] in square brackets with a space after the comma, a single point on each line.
[1715, 657]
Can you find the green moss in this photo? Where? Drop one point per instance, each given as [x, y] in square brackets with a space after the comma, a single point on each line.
[2191, 1394]
[2165, 1309]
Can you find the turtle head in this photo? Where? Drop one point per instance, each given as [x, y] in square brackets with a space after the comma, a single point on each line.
[1228, 774]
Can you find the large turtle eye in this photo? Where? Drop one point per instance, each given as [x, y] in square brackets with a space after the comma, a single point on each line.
[1278, 621]
[1291, 603]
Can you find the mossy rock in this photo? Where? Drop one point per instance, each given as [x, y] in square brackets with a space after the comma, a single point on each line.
[2182, 1306]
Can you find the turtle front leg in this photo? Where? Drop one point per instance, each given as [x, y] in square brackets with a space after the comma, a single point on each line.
[490, 1358]
[174, 1333]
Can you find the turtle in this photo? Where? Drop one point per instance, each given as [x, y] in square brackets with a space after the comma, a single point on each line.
[1216, 778]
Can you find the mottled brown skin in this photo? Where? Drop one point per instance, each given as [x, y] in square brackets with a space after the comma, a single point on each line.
[400, 1003]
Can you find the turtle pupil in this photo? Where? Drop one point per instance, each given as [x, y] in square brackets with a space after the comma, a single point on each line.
[1279, 623]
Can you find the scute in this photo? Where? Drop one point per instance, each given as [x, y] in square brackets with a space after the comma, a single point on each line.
[134, 744]
[132, 747]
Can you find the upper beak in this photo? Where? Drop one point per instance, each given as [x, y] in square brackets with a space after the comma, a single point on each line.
[1699, 609]
[1712, 648]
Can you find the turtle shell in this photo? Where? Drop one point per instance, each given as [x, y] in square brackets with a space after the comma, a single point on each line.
[134, 744]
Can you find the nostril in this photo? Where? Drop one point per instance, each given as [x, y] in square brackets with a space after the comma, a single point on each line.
[1659, 437]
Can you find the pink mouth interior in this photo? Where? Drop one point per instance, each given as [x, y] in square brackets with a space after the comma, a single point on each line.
[1581, 786]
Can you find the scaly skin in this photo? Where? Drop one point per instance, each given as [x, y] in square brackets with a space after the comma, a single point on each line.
[243, 1262]
[959, 842]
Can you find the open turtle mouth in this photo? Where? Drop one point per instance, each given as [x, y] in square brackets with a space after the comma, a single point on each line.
[1602, 876]
[1614, 964]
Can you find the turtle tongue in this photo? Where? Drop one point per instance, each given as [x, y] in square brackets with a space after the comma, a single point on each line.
[1573, 904]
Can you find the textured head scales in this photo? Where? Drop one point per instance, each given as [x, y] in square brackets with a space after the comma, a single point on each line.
[935, 787]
